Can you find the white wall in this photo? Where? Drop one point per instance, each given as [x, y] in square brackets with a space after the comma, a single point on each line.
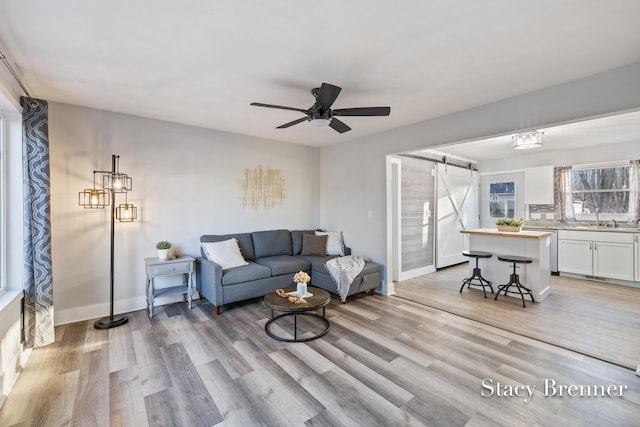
[353, 174]
[185, 184]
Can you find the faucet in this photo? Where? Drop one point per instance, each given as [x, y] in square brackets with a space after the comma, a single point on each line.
[597, 218]
[614, 224]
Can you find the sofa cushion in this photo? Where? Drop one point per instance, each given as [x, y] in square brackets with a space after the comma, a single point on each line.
[296, 240]
[225, 253]
[246, 273]
[244, 241]
[317, 263]
[335, 242]
[271, 243]
[284, 264]
[314, 245]
[369, 268]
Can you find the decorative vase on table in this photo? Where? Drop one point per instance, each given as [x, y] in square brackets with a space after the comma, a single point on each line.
[163, 254]
[302, 289]
[163, 249]
[509, 224]
[511, 228]
[301, 279]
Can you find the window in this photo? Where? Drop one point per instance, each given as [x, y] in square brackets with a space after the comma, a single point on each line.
[3, 208]
[502, 199]
[602, 189]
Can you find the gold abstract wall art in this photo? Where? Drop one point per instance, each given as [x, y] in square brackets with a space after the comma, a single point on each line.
[262, 187]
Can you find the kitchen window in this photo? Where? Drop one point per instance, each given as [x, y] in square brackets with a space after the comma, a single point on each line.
[601, 189]
[3, 207]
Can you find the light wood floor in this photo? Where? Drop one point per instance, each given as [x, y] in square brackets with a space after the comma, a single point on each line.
[597, 319]
[386, 361]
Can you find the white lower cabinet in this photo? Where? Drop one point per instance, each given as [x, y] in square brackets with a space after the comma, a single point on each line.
[600, 254]
[636, 256]
[575, 256]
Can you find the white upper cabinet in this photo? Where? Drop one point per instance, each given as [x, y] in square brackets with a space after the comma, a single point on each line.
[539, 185]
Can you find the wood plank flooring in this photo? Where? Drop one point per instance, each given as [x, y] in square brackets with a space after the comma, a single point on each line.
[386, 361]
[598, 319]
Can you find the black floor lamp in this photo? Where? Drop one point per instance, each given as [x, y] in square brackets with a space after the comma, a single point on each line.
[113, 182]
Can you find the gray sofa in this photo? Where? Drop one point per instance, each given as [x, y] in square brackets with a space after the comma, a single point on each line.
[273, 258]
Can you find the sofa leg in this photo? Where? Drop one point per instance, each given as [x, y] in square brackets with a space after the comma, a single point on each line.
[373, 291]
[217, 310]
[200, 296]
[345, 301]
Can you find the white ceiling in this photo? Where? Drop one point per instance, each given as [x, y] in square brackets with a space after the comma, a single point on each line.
[202, 62]
[617, 129]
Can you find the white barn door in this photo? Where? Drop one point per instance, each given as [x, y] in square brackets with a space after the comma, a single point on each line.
[456, 209]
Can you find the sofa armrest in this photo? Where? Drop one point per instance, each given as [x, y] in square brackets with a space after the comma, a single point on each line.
[209, 280]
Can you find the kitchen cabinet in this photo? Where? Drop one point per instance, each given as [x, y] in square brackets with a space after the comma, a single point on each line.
[538, 184]
[575, 256]
[599, 254]
[636, 249]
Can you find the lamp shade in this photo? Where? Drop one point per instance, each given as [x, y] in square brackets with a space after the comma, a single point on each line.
[117, 182]
[528, 140]
[92, 198]
[126, 212]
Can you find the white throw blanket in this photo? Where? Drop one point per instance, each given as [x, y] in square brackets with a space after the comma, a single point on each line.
[343, 270]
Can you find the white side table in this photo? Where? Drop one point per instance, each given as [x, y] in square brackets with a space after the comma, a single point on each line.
[183, 265]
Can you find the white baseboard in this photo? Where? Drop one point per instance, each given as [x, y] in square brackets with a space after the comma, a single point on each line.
[386, 288]
[86, 312]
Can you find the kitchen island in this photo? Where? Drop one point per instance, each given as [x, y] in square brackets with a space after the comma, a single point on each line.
[526, 243]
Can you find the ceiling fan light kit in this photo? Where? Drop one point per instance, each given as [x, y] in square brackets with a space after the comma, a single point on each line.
[527, 140]
[320, 122]
[320, 113]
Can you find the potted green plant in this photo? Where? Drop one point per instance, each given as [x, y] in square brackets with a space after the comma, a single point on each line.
[163, 247]
[509, 224]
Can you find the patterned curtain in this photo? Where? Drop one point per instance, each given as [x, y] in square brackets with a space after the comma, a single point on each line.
[563, 200]
[38, 280]
[634, 191]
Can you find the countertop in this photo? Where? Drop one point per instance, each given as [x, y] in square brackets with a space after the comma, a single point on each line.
[524, 234]
[581, 226]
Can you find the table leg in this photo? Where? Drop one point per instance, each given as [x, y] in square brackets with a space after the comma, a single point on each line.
[146, 291]
[150, 298]
[295, 326]
[190, 290]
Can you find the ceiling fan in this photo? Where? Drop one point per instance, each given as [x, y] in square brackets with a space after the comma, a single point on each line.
[321, 114]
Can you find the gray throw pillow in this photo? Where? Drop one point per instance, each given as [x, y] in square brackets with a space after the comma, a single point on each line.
[314, 245]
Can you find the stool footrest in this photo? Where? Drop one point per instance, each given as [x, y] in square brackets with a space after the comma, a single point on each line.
[521, 290]
[477, 275]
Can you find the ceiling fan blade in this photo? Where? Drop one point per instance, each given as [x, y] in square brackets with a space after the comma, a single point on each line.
[339, 126]
[295, 122]
[364, 111]
[280, 107]
[327, 95]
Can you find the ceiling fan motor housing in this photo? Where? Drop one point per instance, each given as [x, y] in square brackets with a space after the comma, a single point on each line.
[318, 112]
